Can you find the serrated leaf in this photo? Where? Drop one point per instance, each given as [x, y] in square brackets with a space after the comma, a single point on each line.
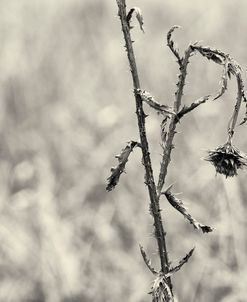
[116, 172]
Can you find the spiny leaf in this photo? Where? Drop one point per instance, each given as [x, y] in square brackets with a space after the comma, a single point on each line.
[119, 169]
[179, 206]
[181, 263]
[160, 290]
[149, 99]
[139, 17]
[147, 260]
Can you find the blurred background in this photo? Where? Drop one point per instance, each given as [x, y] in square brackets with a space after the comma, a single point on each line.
[66, 109]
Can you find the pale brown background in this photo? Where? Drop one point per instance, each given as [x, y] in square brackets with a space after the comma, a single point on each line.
[66, 108]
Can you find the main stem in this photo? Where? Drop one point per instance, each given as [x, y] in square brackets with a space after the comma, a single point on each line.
[154, 201]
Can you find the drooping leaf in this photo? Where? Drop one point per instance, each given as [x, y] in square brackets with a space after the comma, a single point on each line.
[179, 206]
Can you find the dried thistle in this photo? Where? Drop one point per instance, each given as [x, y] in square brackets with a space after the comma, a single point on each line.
[227, 159]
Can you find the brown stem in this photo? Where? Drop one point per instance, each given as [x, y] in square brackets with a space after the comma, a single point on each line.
[166, 158]
[154, 201]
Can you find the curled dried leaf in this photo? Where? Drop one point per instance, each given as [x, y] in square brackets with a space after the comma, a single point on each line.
[139, 17]
[119, 169]
[179, 206]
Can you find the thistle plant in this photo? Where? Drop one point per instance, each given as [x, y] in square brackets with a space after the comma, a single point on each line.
[227, 159]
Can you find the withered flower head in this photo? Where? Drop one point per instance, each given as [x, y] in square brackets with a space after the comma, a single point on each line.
[227, 159]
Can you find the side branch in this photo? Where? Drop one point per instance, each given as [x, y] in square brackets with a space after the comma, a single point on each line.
[166, 158]
[154, 202]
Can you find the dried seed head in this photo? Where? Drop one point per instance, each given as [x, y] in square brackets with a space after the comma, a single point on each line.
[227, 159]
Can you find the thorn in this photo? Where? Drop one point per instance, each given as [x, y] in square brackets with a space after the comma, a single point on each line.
[168, 189]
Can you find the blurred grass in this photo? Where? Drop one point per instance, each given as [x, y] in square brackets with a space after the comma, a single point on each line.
[66, 109]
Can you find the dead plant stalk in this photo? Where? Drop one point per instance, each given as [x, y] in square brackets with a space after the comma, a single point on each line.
[227, 159]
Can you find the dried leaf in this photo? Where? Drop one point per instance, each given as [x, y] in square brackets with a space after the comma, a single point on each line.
[181, 263]
[139, 17]
[160, 290]
[119, 169]
[178, 205]
[149, 99]
[147, 260]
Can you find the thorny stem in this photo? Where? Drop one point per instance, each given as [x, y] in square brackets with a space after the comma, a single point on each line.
[166, 158]
[234, 117]
[154, 201]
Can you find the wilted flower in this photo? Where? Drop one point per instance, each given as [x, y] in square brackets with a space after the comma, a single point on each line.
[227, 159]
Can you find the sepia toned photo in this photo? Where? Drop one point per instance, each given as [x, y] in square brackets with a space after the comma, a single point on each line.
[123, 151]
